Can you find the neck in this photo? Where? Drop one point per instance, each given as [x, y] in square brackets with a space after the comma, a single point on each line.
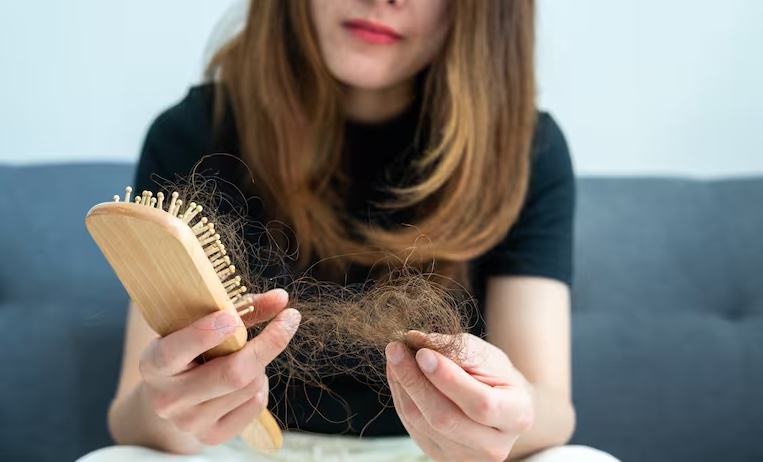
[378, 105]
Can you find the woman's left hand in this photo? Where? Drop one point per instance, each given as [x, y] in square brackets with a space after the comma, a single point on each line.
[473, 410]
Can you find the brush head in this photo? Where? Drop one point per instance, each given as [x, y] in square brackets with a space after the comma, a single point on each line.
[176, 270]
[170, 261]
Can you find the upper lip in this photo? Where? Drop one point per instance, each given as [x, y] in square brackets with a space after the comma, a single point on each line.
[372, 26]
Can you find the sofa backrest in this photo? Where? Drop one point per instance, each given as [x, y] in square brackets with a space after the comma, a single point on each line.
[668, 318]
[62, 312]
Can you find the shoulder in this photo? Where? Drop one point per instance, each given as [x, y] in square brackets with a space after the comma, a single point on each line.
[551, 162]
[181, 135]
[539, 243]
[187, 122]
[551, 192]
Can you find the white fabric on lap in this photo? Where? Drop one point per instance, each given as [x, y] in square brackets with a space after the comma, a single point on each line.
[324, 448]
[572, 454]
[297, 448]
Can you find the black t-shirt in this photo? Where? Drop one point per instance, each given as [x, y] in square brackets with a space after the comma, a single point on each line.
[539, 243]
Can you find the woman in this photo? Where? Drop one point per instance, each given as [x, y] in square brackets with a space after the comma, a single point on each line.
[330, 103]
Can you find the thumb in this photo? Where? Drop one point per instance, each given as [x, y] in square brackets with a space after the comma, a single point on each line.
[466, 350]
[264, 307]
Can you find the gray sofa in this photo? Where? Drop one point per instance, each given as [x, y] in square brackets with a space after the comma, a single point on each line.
[668, 316]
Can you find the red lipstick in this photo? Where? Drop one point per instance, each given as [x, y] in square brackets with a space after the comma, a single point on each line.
[372, 32]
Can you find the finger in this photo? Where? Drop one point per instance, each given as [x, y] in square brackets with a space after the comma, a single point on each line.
[480, 402]
[430, 439]
[473, 354]
[490, 391]
[264, 307]
[217, 408]
[408, 412]
[200, 418]
[442, 415]
[275, 337]
[235, 421]
[226, 374]
[176, 352]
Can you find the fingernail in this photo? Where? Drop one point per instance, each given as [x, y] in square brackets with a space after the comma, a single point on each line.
[427, 361]
[292, 323]
[394, 353]
[224, 323]
[281, 293]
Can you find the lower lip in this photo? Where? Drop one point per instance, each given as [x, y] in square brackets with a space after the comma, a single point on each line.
[377, 38]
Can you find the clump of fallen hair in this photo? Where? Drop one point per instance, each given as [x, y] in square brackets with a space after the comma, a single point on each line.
[345, 328]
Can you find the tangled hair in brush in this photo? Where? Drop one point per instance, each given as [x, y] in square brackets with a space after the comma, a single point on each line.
[345, 328]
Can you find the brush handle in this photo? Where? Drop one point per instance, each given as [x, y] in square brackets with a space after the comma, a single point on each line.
[264, 433]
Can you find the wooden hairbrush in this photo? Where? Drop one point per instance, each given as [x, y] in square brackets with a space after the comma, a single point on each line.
[174, 267]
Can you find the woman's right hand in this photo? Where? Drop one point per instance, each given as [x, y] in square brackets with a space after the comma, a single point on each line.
[213, 402]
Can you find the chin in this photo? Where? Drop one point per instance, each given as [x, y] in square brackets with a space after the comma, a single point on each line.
[368, 76]
[367, 82]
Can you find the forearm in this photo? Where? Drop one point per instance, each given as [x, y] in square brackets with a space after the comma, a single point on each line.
[133, 422]
[553, 425]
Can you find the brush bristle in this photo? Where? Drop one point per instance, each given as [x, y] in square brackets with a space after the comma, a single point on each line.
[204, 232]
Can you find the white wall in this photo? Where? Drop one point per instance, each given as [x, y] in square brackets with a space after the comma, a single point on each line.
[82, 79]
[639, 86]
[656, 86]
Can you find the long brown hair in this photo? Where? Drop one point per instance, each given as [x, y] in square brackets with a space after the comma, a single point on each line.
[479, 97]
